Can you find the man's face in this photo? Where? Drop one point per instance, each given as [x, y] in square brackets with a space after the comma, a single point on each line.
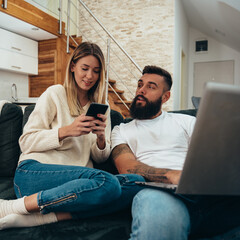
[150, 95]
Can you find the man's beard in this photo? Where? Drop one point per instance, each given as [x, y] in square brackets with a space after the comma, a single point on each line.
[145, 112]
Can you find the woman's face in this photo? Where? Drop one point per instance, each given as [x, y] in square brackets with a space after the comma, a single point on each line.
[86, 72]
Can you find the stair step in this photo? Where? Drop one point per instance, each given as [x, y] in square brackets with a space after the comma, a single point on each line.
[115, 97]
[117, 90]
[111, 81]
[120, 102]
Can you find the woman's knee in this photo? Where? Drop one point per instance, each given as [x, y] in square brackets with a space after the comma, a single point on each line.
[108, 185]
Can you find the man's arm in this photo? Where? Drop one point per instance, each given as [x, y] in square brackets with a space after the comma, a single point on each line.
[126, 162]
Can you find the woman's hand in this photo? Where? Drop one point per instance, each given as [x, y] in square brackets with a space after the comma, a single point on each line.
[99, 130]
[82, 125]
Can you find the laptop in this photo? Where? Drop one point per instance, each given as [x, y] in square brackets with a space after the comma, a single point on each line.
[212, 164]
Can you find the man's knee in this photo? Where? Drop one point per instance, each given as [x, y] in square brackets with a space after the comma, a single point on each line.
[161, 212]
[152, 202]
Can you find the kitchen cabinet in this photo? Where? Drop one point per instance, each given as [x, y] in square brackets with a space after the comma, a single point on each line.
[18, 53]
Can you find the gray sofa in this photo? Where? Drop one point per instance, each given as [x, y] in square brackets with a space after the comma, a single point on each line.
[113, 227]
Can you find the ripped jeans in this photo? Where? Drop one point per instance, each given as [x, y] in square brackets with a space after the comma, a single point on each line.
[82, 191]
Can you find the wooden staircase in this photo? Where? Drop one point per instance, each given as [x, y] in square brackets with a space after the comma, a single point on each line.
[52, 61]
[115, 102]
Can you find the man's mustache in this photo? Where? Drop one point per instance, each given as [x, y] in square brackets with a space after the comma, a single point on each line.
[140, 97]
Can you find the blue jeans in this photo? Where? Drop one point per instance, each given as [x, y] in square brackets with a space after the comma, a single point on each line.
[82, 191]
[161, 215]
[158, 215]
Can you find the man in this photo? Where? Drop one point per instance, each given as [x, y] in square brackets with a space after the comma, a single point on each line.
[154, 145]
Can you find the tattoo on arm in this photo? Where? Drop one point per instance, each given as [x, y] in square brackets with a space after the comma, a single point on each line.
[150, 173]
[120, 149]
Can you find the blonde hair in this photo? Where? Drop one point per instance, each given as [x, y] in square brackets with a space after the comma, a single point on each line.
[98, 92]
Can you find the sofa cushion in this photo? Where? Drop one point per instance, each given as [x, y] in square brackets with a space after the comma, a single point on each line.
[115, 226]
[116, 118]
[6, 188]
[192, 112]
[10, 129]
[27, 111]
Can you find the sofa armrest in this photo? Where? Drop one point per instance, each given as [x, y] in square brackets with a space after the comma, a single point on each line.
[11, 130]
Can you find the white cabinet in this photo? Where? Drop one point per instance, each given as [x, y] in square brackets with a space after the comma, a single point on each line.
[18, 53]
[17, 62]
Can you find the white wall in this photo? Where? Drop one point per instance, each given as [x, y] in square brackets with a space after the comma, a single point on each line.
[6, 81]
[216, 52]
[180, 44]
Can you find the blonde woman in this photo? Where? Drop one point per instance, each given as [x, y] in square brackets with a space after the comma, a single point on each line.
[55, 180]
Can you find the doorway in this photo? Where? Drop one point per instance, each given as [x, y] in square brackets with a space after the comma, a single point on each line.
[218, 71]
[184, 85]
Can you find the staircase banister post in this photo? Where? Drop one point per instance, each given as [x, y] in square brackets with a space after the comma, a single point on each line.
[108, 67]
[68, 23]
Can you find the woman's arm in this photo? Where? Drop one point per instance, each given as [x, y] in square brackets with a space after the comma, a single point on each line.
[50, 123]
[100, 150]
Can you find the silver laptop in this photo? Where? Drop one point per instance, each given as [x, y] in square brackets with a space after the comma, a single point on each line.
[212, 165]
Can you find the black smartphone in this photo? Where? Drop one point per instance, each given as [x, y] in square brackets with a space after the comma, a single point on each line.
[96, 108]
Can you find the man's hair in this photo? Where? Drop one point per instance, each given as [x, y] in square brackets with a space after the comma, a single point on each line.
[159, 71]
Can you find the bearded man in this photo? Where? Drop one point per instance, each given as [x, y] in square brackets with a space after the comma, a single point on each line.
[154, 145]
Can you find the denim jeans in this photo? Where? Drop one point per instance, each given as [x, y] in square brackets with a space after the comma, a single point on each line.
[161, 215]
[82, 191]
[158, 215]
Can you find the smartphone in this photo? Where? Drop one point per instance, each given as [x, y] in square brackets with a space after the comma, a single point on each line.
[96, 108]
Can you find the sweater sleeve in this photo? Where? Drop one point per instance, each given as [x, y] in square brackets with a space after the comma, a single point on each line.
[97, 154]
[38, 135]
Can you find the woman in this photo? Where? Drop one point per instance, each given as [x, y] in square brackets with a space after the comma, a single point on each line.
[55, 180]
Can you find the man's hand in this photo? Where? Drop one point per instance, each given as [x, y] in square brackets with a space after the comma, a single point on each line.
[126, 162]
[174, 176]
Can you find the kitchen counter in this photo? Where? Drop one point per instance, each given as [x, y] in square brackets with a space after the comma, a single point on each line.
[25, 101]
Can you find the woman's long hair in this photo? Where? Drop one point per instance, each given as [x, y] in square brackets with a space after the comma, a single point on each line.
[98, 92]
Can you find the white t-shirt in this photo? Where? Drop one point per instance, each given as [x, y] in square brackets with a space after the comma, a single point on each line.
[161, 142]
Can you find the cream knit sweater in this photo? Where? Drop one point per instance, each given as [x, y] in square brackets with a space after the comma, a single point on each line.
[40, 141]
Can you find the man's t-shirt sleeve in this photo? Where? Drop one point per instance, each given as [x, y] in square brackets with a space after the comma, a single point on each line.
[116, 137]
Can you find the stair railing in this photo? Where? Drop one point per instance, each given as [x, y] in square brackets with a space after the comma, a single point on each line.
[110, 38]
[60, 16]
[108, 47]
[108, 65]
[109, 34]
[83, 34]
